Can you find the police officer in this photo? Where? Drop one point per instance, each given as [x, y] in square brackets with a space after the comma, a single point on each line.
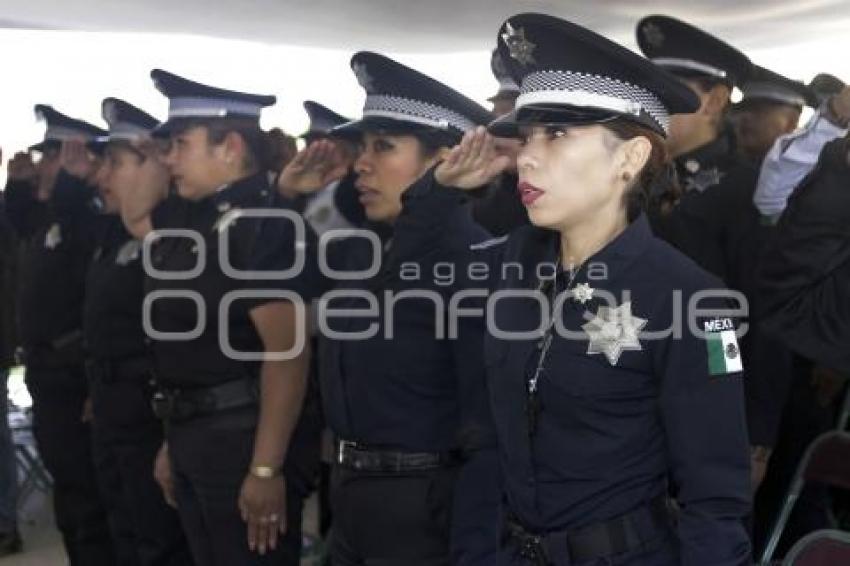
[716, 222]
[414, 481]
[55, 252]
[598, 415]
[770, 107]
[228, 340]
[119, 365]
[701, 144]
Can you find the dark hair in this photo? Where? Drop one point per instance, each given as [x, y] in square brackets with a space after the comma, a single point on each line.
[430, 139]
[258, 154]
[656, 182]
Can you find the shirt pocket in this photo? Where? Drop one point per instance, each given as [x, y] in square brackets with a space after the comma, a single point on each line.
[574, 372]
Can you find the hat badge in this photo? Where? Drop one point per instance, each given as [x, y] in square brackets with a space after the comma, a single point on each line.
[653, 34]
[520, 48]
[363, 77]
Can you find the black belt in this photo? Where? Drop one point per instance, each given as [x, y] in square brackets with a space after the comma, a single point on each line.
[135, 369]
[630, 531]
[361, 458]
[183, 404]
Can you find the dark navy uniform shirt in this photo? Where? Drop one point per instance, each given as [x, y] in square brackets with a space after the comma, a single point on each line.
[254, 245]
[414, 391]
[114, 293]
[52, 271]
[613, 435]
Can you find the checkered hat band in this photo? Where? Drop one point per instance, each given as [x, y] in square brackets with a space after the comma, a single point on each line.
[60, 133]
[210, 108]
[764, 91]
[416, 111]
[691, 65]
[593, 91]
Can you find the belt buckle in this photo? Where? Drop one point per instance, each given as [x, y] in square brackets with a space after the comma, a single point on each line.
[344, 445]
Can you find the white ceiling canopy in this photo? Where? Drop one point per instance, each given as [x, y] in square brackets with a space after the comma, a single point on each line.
[425, 25]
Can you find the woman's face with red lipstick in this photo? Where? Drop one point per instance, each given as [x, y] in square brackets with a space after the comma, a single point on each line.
[567, 174]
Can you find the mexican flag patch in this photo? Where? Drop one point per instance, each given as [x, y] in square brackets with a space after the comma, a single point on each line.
[724, 354]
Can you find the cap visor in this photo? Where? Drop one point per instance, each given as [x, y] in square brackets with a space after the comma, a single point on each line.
[507, 126]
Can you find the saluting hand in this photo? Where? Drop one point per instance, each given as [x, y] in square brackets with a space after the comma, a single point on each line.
[262, 502]
[473, 163]
[21, 168]
[315, 167]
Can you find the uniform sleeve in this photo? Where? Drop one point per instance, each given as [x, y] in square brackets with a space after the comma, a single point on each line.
[702, 408]
[805, 271]
[429, 210]
[20, 205]
[476, 524]
[792, 157]
[273, 244]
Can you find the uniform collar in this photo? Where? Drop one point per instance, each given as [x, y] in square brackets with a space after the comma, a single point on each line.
[709, 155]
[619, 253]
[241, 191]
[616, 256]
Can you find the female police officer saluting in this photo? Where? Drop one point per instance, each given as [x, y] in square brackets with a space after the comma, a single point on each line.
[415, 478]
[230, 398]
[600, 411]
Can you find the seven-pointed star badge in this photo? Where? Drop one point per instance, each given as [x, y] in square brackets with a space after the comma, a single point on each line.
[614, 331]
[582, 292]
[520, 48]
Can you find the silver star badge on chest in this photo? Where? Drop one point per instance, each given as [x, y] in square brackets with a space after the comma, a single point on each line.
[704, 179]
[519, 47]
[614, 331]
[582, 292]
[53, 237]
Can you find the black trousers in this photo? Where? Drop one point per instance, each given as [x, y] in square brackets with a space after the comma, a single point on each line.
[391, 519]
[211, 456]
[65, 445]
[146, 530]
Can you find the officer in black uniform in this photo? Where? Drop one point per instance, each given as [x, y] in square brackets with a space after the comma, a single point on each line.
[119, 364]
[771, 107]
[701, 145]
[803, 282]
[56, 247]
[225, 311]
[598, 414]
[716, 222]
[415, 480]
